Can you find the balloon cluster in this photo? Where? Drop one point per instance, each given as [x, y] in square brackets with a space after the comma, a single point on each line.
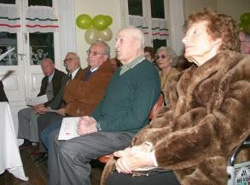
[96, 28]
[245, 22]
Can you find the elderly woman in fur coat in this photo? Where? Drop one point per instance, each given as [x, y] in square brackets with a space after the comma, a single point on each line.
[207, 117]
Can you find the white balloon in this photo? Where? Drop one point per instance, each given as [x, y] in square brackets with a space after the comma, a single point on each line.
[91, 35]
[106, 35]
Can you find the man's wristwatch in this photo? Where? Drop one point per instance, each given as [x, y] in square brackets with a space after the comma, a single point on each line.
[98, 127]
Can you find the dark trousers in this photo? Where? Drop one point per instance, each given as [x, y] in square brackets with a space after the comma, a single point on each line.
[44, 121]
[166, 178]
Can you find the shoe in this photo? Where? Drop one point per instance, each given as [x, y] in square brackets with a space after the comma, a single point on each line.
[43, 157]
[26, 145]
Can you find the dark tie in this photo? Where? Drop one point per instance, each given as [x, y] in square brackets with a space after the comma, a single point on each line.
[87, 75]
[70, 76]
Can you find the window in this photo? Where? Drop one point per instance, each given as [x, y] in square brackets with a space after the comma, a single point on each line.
[8, 1]
[40, 45]
[151, 17]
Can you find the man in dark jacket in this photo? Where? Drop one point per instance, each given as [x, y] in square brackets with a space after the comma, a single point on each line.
[46, 118]
[50, 86]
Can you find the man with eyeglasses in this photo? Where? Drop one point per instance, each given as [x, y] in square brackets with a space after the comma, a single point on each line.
[27, 117]
[82, 94]
[124, 110]
[46, 118]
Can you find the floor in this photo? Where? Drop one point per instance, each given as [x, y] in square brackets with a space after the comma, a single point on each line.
[38, 174]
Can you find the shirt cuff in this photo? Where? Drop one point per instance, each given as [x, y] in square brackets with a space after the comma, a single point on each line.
[152, 155]
[152, 152]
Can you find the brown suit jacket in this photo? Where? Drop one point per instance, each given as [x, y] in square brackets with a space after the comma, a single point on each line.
[82, 97]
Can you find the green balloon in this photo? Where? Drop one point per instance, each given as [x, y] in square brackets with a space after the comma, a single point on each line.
[109, 20]
[100, 22]
[245, 17]
[247, 29]
[242, 26]
[84, 21]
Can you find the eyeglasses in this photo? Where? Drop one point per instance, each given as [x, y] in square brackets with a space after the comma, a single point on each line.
[157, 57]
[68, 59]
[94, 53]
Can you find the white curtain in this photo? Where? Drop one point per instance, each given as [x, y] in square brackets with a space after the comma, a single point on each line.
[41, 19]
[9, 18]
[157, 30]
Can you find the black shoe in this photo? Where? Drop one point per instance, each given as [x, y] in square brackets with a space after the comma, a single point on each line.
[42, 158]
[26, 145]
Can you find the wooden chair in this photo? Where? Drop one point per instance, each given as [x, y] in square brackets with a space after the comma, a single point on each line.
[160, 103]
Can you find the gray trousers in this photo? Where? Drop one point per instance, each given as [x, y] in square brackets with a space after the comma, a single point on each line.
[28, 128]
[69, 160]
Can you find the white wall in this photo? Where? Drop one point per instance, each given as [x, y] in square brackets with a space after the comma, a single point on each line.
[230, 7]
[193, 5]
[93, 8]
[235, 8]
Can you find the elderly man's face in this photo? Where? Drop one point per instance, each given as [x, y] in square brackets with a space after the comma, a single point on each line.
[124, 46]
[71, 62]
[199, 46]
[47, 67]
[96, 55]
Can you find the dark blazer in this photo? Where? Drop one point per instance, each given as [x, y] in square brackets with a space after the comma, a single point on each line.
[56, 82]
[58, 102]
[3, 96]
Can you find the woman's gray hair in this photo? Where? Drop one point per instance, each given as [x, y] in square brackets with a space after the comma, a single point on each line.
[169, 51]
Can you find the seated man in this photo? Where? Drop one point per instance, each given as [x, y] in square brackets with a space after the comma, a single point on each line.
[132, 92]
[72, 64]
[50, 86]
[3, 96]
[83, 94]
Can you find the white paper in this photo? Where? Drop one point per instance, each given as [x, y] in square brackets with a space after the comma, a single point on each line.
[36, 100]
[52, 110]
[68, 128]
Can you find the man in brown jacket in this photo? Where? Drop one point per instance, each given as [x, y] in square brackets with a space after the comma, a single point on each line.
[82, 94]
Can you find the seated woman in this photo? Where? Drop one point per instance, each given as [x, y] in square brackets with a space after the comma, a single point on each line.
[165, 57]
[3, 96]
[207, 117]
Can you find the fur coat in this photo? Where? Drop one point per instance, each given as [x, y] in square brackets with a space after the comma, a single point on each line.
[207, 117]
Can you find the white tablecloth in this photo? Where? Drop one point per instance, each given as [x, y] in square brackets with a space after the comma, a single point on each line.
[9, 152]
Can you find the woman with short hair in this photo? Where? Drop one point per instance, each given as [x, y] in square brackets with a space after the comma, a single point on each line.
[207, 116]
